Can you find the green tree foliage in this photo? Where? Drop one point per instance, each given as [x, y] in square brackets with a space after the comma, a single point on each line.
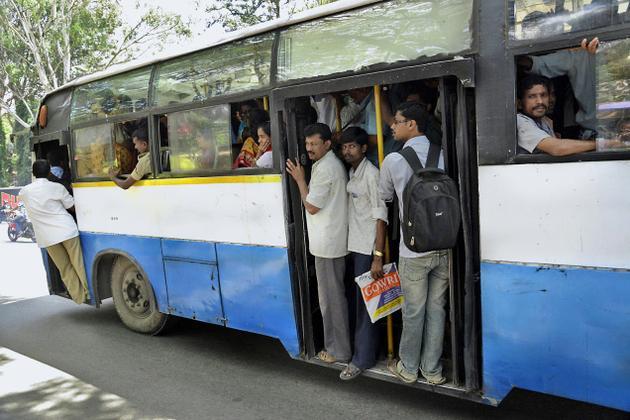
[5, 160]
[21, 149]
[46, 43]
[233, 15]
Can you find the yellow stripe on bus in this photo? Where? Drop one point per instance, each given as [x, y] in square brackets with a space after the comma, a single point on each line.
[232, 179]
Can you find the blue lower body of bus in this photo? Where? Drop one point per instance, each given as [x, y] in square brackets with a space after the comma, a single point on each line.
[562, 331]
[244, 287]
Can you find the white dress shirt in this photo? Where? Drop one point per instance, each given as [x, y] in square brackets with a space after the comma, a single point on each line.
[395, 172]
[364, 208]
[328, 228]
[46, 203]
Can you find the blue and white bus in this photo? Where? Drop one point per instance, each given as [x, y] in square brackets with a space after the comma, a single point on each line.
[540, 277]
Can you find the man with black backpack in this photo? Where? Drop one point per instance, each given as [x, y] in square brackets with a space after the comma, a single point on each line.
[428, 218]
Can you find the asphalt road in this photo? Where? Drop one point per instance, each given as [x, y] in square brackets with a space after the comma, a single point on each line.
[196, 371]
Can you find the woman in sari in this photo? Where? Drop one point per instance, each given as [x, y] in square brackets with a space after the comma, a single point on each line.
[249, 152]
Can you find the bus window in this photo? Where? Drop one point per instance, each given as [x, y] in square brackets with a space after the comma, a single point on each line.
[93, 152]
[226, 69]
[375, 34]
[613, 96]
[585, 97]
[197, 140]
[126, 154]
[532, 19]
[120, 94]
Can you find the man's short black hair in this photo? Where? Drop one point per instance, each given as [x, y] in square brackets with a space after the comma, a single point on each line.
[41, 168]
[140, 134]
[354, 135]
[318, 128]
[415, 112]
[529, 82]
[54, 158]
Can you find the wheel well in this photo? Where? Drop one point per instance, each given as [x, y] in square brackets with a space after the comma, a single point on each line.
[102, 279]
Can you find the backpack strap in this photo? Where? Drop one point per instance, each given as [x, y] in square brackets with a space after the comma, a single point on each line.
[434, 156]
[412, 159]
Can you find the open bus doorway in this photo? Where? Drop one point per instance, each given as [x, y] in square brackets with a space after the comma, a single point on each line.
[440, 97]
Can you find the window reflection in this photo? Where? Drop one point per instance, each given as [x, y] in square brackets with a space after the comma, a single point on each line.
[222, 70]
[198, 140]
[533, 19]
[93, 151]
[116, 95]
[613, 95]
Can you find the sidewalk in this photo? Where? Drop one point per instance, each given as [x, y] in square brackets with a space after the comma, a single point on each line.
[32, 390]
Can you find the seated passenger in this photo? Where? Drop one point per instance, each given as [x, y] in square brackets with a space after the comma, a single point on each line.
[143, 167]
[241, 119]
[264, 158]
[247, 156]
[534, 132]
[579, 65]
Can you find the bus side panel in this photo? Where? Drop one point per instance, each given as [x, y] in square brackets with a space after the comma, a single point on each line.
[146, 252]
[256, 291]
[562, 331]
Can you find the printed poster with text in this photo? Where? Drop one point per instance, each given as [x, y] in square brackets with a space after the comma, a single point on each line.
[383, 296]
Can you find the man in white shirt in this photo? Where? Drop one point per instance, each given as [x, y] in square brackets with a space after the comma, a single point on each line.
[364, 209]
[47, 204]
[325, 200]
[534, 132]
[424, 277]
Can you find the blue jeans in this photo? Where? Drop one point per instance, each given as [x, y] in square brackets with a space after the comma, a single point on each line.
[424, 281]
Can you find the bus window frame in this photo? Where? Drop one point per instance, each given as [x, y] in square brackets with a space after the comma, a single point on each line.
[464, 71]
[545, 47]
[155, 113]
[601, 32]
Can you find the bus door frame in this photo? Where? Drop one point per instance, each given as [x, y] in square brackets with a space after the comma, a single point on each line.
[62, 138]
[466, 358]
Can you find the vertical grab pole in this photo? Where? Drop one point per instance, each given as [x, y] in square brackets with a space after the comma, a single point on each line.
[337, 113]
[381, 156]
[266, 103]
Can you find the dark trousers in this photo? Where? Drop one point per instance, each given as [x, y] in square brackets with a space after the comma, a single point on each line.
[366, 334]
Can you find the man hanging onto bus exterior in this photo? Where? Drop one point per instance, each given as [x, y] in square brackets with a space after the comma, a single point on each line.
[47, 204]
[365, 208]
[143, 167]
[326, 203]
[535, 134]
[423, 276]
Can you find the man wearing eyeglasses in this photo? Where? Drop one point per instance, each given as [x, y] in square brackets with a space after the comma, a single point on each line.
[423, 276]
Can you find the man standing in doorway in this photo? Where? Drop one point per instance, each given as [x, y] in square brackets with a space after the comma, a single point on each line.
[365, 208]
[47, 204]
[143, 167]
[325, 201]
[423, 276]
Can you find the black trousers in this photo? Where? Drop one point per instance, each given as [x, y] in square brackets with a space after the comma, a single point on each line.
[366, 334]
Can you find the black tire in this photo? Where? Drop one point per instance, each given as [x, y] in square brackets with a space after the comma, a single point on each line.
[13, 235]
[134, 299]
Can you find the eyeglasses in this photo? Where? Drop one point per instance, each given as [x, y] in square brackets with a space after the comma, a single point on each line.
[396, 122]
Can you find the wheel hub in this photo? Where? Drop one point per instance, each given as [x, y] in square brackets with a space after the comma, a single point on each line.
[134, 292]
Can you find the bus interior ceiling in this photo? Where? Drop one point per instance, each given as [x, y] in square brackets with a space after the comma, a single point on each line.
[439, 97]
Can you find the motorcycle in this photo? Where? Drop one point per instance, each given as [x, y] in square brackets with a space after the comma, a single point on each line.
[20, 226]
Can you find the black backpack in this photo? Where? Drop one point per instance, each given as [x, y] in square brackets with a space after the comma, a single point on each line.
[431, 213]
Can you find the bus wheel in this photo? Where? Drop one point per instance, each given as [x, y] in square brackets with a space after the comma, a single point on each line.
[134, 299]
